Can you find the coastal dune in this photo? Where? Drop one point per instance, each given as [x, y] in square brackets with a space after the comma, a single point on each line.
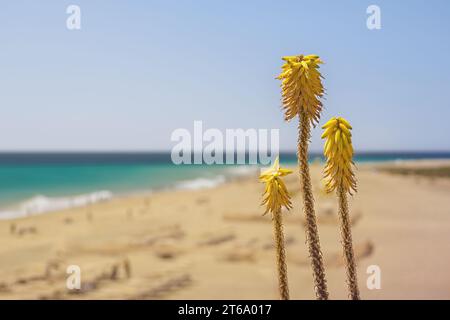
[215, 244]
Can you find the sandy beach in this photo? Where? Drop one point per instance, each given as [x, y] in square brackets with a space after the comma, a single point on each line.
[215, 243]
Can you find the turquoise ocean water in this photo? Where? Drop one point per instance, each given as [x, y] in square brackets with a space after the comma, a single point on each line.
[39, 182]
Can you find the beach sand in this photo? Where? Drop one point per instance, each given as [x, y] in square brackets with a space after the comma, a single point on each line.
[215, 243]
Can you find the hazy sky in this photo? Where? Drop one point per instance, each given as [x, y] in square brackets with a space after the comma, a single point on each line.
[137, 70]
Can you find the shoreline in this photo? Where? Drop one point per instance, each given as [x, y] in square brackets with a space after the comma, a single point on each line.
[217, 180]
[72, 200]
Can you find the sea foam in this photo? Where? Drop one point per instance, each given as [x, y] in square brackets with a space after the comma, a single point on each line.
[201, 183]
[42, 204]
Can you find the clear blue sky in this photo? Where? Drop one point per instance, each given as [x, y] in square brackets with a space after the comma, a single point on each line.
[137, 70]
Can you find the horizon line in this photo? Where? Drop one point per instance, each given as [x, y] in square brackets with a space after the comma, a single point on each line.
[86, 151]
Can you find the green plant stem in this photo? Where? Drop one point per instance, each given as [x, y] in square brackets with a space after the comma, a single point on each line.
[280, 255]
[312, 234]
[347, 244]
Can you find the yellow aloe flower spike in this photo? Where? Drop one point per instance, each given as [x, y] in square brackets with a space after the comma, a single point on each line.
[339, 176]
[301, 86]
[301, 91]
[275, 197]
[338, 151]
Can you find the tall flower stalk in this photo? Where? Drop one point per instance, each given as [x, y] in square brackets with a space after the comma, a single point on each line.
[340, 177]
[301, 92]
[275, 197]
